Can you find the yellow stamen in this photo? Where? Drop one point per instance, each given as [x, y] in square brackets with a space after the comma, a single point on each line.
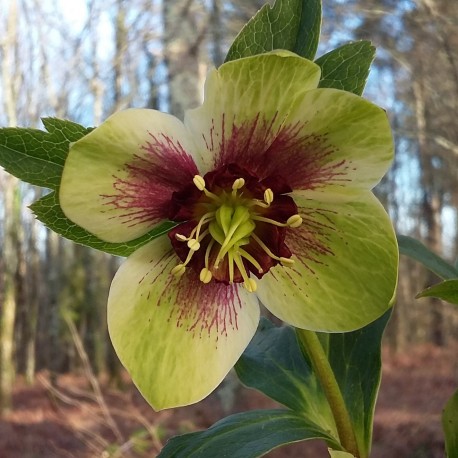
[250, 285]
[268, 220]
[207, 252]
[181, 237]
[178, 270]
[250, 258]
[286, 261]
[265, 248]
[200, 185]
[268, 196]
[193, 245]
[294, 221]
[257, 203]
[199, 182]
[248, 282]
[239, 183]
[204, 219]
[205, 275]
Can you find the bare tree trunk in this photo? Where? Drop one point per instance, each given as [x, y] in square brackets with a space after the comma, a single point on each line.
[34, 292]
[432, 206]
[120, 50]
[181, 49]
[216, 25]
[12, 221]
[54, 255]
[8, 310]
[8, 65]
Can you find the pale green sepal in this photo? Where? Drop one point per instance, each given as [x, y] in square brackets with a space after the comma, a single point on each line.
[100, 159]
[355, 132]
[177, 337]
[254, 93]
[345, 270]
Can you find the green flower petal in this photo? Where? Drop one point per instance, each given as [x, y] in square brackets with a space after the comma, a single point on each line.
[178, 338]
[345, 269]
[118, 179]
[347, 138]
[246, 102]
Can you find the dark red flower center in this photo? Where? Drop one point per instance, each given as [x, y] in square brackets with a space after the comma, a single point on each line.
[232, 225]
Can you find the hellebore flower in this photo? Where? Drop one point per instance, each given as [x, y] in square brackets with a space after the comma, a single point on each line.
[269, 182]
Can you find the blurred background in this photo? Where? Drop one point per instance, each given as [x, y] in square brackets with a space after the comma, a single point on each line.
[63, 391]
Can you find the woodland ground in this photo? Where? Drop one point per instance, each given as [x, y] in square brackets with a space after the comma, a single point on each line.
[70, 423]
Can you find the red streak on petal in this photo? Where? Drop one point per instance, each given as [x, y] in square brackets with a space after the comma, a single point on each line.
[311, 242]
[205, 308]
[210, 309]
[152, 177]
[266, 147]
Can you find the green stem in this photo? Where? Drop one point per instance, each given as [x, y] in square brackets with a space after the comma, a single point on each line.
[331, 389]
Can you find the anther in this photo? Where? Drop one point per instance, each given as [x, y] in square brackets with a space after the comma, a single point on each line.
[238, 184]
[294, 221]
[205, 275]
[181, 237]
[286, 261]
[250, 285]
[199, 182]
[178, 270]
[268, 196]
[193, 244]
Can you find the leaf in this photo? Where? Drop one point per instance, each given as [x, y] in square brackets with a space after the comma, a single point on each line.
[446, 290]
[274, 364]
[293, 25]
[347, 67]
[416, 250]
[36, 156]
[355, 358]
[245, 435]
[49, 212]
[450, 425]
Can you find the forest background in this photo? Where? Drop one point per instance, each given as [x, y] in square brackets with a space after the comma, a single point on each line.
[85, 59]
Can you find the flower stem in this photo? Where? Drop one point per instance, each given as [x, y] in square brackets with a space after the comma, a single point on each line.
[331, 389]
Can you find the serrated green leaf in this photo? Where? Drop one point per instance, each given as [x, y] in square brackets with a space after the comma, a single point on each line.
[347, 67]
[274, 364]
[245, 435]
[446, 290]
[416, 250]
[293, 25]
[450, 425]
[355, 358]
[36, 156]
[48, 211]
